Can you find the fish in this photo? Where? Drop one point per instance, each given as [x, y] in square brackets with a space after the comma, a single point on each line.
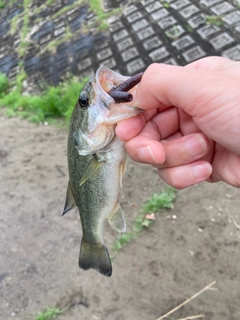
[97, 162]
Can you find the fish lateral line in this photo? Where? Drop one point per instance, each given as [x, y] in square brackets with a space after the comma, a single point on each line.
[120, 93]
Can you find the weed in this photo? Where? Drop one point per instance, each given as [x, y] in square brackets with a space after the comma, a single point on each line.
[13, 25]
[173, 33]
[53, 102]
[3, 84]
[50, 313]
[2, 5]
[214, 20]
[122, 240]
[165, 4]
[48, 2]
[189, 28]
[20, 77]
[103, 26]
[157, 202]
[160, 201]
[25, 18]
[141, 222]
[68, 31]
[96, 7]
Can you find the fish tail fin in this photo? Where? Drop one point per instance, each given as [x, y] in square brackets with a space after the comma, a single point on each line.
[95, 257]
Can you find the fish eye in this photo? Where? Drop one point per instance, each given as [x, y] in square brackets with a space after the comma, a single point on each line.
[83, 100]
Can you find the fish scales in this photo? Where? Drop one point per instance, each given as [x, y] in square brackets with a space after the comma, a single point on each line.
[99, 192]
[96, 162]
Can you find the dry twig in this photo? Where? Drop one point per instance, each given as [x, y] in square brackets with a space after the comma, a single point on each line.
[234, 222]
[193, 317]
[186, 301]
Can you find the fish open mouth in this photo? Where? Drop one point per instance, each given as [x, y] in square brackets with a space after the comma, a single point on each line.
[116, 94]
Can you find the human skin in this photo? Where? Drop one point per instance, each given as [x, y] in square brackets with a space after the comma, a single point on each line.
[190, 129]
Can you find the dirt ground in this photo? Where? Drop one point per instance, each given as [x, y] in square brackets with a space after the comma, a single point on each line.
[169, 262]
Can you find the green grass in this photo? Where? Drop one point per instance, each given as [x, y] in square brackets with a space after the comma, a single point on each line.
[4, 85]
[156, 203]
[2, 5]
[53, 102]
[122, 240]
[165, 4]
[189, 28]
[48, 2]
[13, 25]
[50, 313]
[173, 34]
[214, 20]
[97, 8]
[24, 43]
[160, 201]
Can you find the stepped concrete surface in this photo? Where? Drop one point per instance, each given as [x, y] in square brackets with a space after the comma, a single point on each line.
[64, 37]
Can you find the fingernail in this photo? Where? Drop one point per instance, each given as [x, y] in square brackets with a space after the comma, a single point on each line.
[145, 154]
[195, 145]
[202, 170]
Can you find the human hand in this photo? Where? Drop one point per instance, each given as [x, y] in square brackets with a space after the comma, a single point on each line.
[190, 129]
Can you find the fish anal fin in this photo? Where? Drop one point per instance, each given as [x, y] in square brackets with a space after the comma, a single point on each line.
[122, 170]
[92, 166]
[117, 220]
[69, 203]
[95, 257]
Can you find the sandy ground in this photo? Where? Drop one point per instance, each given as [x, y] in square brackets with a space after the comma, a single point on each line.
[166, 264]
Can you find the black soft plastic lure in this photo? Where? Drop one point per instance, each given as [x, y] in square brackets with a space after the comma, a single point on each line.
[120, 93]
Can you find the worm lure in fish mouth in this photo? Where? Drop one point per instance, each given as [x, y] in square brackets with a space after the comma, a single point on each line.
[120, 94]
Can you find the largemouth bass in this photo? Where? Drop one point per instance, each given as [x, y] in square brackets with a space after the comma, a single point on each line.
[96, 163]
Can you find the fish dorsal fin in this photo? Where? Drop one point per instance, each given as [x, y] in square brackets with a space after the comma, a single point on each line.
[122, 170]
[69, 203]
[92, 166]
[117, 220]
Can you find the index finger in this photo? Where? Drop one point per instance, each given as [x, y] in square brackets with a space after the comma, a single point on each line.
[166, 85]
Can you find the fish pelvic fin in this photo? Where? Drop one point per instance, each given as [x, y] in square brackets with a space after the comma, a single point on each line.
[69, 203]
[117, 220]
[92, 166]
[95, 257]
[122, 170]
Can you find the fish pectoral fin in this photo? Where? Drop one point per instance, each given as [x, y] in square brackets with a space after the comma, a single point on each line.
[117, 220]
[92, 166]
[69, 203]
[95, 257]
[122, 170]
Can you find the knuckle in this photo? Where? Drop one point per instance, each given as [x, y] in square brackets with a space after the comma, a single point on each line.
[171, 178]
